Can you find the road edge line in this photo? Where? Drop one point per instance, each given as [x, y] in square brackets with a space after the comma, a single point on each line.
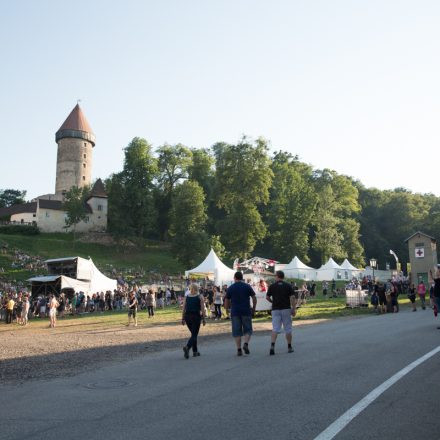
[340, 423]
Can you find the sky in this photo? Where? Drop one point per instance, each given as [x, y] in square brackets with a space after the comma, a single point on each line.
[349, 85]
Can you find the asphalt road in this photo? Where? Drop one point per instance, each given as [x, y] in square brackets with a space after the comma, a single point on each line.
[219, 396]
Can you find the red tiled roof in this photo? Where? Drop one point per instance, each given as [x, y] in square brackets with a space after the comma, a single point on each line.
[76, 121]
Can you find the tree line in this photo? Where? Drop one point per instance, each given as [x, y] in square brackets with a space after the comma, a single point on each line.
[244, 199]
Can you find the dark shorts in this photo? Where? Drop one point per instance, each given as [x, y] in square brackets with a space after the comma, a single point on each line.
[241, 325]
[132, 312]
[382, 301]
[412, 298]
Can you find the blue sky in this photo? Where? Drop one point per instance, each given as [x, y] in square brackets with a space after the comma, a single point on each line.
[347, 85]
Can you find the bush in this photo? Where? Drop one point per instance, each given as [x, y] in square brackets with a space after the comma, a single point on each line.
[19, 229]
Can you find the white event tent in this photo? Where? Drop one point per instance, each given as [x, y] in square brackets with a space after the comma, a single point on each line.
[76, 273]
[349, 271]
[329, 271]
[297, 269]
[213, 268]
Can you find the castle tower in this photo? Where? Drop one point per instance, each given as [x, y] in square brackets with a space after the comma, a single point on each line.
[75, 141]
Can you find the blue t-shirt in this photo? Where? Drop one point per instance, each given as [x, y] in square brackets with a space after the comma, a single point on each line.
[239, 294]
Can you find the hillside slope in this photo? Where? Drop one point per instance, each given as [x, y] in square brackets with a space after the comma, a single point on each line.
[151, 257]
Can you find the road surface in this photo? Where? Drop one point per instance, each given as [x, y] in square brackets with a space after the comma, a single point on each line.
[220, 396]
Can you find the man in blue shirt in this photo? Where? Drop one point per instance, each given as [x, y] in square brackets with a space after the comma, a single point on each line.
[238, 299]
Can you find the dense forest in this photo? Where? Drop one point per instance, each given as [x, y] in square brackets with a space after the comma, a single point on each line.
[245, 199]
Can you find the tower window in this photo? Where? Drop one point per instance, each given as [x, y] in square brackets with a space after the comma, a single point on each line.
[85, 156]
[84, 177]
[84, 165]
[85, 144]
[99, 207]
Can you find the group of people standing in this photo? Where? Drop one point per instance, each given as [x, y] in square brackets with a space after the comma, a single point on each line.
[240, 298]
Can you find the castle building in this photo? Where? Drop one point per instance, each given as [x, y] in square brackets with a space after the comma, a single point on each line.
[76, 141]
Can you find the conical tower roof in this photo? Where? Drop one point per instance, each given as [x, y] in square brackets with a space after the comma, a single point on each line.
[98, 190]
[76, 126]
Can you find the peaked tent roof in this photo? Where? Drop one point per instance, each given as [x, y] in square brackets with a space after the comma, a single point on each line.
[347, 265]
[296, 263]
[331, 264]
[213, 265]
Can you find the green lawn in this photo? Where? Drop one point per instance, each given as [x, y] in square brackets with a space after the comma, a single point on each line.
[318, 308]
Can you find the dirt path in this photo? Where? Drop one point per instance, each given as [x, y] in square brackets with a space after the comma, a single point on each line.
[43, 353]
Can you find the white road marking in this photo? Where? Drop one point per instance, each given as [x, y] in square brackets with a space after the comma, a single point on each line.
[339, 424]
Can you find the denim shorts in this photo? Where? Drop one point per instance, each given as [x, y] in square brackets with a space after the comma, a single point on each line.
[241, 325]
[282, 317]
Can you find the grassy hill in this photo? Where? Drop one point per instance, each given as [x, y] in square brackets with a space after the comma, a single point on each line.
[151, 256]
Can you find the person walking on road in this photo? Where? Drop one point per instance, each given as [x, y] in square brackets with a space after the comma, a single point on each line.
[421, 291]
[436, 282]
[192, 315]
[238, 298]
[283, 300]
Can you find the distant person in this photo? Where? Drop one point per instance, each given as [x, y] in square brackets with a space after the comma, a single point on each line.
[53, 306]
[282, 297]
[313, 290]
[324, 289]
[381, 293]
[25, 310]
[436, 280]
[412, 297]
[151, 302]
[218, 303]
[42, 307]
[132, 308]
[421, 291]
[238, 298]
[9, 310]
[193, 314]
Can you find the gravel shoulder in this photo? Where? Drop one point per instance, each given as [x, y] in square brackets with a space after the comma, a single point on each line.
[43, 353]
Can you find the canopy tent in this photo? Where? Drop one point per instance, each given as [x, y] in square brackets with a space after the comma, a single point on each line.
[74, 273]
[297, 269]
[329, 271]
[349, 271]
[213, 268]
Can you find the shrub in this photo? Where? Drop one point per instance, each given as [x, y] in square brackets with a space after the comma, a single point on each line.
[19, 229]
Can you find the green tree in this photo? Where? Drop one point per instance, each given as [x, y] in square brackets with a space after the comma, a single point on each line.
[243, 178]
[353, 249]
[173, 163]
[76, 207]
[327, 240]
[291, 208]
[9, 197]
[187, 221]
[131, 202]
[217, 245]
